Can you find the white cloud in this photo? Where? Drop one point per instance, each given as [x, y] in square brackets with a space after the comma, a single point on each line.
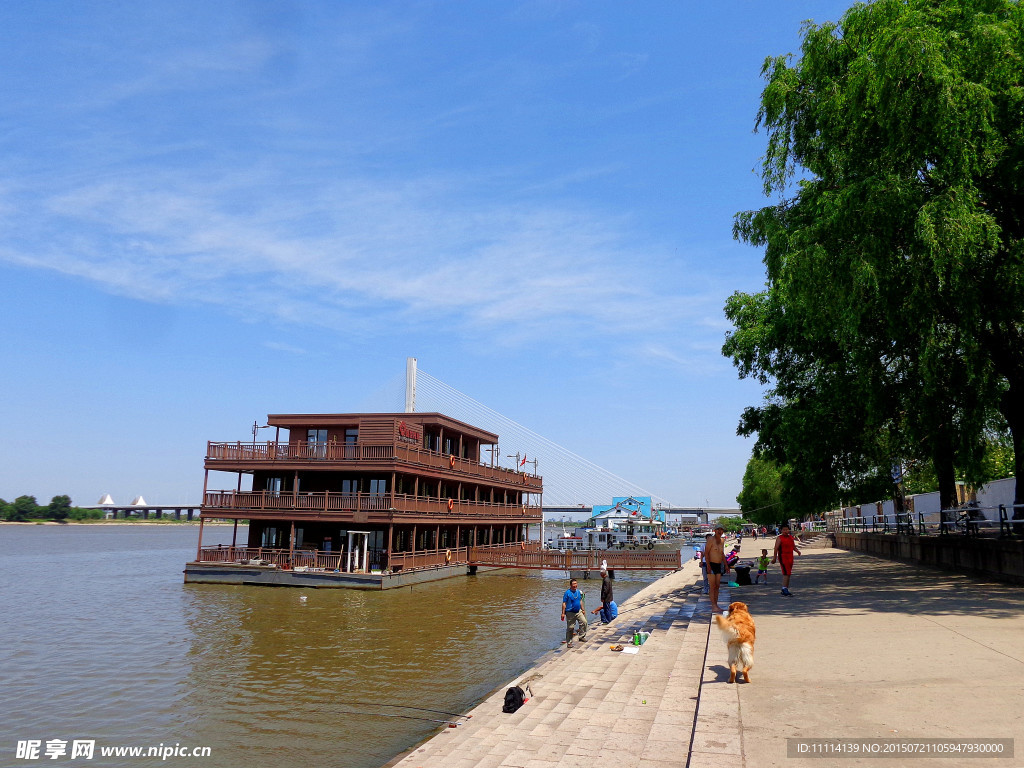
[278, 346]
[343, 255]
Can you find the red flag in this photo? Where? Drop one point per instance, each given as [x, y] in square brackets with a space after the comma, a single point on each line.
[523, 461]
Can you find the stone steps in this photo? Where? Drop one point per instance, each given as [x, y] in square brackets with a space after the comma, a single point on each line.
[590, 705]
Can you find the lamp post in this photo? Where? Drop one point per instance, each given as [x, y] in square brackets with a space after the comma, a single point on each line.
[256, 427]
[520, 460]
[494, 449]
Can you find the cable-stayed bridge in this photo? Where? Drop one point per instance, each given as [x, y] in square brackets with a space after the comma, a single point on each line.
[570, 480]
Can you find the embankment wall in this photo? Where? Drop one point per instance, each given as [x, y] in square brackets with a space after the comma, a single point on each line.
[1001, 559]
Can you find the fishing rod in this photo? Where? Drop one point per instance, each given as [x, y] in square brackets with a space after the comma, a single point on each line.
[449, 723]
[401, 706]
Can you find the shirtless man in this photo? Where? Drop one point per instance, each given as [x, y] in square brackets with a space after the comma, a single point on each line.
[714, 556]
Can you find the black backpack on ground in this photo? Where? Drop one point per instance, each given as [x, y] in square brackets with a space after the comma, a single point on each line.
[514, 698]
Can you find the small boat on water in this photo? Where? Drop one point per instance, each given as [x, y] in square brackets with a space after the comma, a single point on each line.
[600, 538]
[629, 522]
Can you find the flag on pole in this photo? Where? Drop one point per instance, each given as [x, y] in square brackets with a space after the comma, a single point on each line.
[523, 461]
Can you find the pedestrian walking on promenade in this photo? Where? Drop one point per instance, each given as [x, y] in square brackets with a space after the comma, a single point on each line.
[785, 546]
[762, 567]
[573, 613]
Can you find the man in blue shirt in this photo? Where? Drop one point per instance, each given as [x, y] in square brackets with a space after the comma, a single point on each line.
[573, 612]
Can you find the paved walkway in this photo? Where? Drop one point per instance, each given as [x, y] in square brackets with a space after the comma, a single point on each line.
[865, 648]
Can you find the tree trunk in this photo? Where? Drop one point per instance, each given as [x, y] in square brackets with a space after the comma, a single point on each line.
[1018, 473]
[942, 457]
[1013, 411]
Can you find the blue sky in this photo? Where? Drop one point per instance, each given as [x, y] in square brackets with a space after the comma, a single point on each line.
[215, 210]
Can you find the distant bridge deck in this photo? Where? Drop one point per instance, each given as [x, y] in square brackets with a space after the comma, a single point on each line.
[126, 511]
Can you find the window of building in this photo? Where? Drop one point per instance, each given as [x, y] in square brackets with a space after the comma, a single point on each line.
[378, 487]
[317, 439]
[351, 438]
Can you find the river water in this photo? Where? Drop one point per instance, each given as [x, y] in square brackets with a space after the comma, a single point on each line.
[100, 640]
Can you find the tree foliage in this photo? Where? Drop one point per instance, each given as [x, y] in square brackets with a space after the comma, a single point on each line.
[761, 496]
[730, 524]
[25, 508]
[892, 324]
[59, 507]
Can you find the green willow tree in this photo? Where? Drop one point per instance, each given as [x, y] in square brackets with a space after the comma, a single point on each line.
[817, 421]
[761, 496]
[893, 321]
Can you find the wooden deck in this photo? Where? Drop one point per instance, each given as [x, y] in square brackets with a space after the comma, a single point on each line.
[527, 555]
[533, 557]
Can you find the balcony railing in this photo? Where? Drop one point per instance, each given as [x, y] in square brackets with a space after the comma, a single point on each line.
[532, 555]
[340, 452]
[319, 560]
[525, 554]
[326, 503]
[299, 451]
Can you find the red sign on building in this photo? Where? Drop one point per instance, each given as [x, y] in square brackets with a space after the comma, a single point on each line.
[408, 434]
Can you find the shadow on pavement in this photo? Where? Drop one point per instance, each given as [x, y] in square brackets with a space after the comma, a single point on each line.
[721, 672]
[833, 581]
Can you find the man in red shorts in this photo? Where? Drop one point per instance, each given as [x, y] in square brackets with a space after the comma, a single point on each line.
[785, 546]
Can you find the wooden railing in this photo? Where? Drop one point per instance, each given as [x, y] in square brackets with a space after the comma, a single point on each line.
[431, 558]
[299, 451]
[527, 554]
[324, 503]
[282, 558]
[329, 561]
[222, 554]
[335, 452]
[436, 460]
[532, 556]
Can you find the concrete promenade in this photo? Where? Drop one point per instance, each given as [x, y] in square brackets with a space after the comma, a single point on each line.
[865, 648]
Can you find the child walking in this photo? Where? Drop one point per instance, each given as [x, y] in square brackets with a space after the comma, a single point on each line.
[762, 566]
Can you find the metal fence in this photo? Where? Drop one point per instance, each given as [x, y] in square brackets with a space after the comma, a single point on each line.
[968, 519]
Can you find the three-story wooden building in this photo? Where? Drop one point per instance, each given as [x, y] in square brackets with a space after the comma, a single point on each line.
[365, 493]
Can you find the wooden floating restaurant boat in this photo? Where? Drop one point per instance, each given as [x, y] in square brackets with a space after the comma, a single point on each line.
[367, 500]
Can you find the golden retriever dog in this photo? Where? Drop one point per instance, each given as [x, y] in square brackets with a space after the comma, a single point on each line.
[738, 632]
